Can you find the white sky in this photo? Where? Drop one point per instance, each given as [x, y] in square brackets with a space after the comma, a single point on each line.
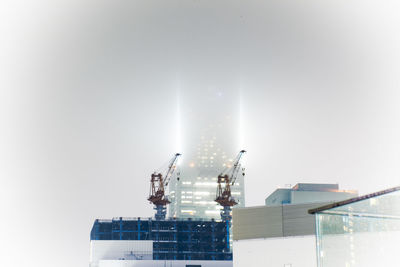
[88, 104]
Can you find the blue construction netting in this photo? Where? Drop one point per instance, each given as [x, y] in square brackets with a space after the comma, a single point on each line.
[173, 239]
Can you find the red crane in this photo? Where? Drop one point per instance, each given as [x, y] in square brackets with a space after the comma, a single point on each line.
[158, 185]
[224, 195]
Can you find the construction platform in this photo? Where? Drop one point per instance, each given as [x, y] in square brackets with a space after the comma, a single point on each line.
[173, 239]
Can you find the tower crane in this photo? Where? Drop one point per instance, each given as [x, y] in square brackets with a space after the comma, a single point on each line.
[158, 186]
[224, 195]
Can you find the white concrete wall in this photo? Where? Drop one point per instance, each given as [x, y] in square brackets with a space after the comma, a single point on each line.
[161, 263]
[297, 251]
[368, 249]
[119, 249]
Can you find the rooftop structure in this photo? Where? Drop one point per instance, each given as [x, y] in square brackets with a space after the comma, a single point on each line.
[282, 232]
[308, 193]
[274, 221]
[205, 240]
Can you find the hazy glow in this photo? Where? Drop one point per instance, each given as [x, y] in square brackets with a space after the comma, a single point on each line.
[241, 122]
[178, 119]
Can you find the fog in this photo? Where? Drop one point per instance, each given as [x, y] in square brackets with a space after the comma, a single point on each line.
[89, 104]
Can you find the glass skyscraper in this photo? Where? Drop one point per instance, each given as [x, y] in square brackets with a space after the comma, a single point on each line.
[209, 122]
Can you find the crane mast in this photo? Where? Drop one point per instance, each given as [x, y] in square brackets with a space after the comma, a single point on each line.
[158, 186]
[224, 194]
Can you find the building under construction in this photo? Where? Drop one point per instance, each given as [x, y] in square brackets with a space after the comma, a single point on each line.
[172, 239]
[182, 242]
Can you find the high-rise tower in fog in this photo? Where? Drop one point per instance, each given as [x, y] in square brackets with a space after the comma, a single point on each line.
[210, 136]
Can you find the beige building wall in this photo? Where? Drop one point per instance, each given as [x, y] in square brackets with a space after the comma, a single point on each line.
[274, 221]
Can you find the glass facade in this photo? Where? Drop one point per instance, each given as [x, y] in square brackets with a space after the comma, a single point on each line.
[210, 134]
[360, 232]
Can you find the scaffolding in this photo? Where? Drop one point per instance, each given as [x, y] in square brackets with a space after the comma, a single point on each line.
[173, 239]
